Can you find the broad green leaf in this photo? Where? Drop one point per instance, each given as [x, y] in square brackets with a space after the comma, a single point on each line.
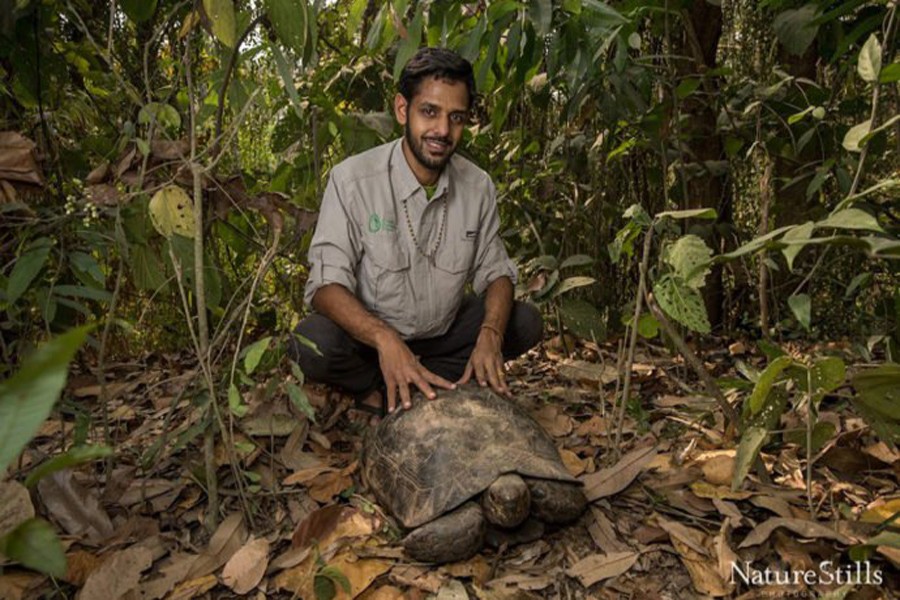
[687, 87]
[769, 416]
[172, 212]
[27, 397]
[81, 291]
[71, 458]
[886, 125]
[801, 306]
[148, 270]
[290, 18]
[648, 326]
[162, 113]
[410, 45]
[576, 260]
[87, 269]
[822, 432]
[222, 20]
[138, 10]
[682, 303]
[570, 283]
[755, 244]
[885, 538]
[300, 400]
[690, 257]
[286, 71]
[869, 64]
[796, 117]
[796, 234]
[541, 14]
[890, 73]
[334, 574]
[25, 269]
[827, 374]
[324, 588]
[877, 398]
[639, 215]
[254, 354]
[35, 545]
[582, 319]
[235, 402]
[854, 136]
[795, 28]
[766, 380]
[851, 218]
[752, 441]
[604, 10]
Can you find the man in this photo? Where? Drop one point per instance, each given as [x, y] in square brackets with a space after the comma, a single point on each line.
[403, 228]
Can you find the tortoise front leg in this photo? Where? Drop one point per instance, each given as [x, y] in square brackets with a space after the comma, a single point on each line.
[458, 535]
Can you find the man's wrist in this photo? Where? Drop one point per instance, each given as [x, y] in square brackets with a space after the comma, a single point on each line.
[384, 336]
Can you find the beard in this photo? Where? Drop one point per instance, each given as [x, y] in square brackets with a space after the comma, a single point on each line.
[418, 150]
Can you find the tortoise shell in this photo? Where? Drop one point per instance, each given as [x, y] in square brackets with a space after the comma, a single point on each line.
[423, 462]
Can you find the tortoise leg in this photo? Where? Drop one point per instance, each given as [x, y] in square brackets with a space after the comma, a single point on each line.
[506, 502]
[458, 535]
[556, 501]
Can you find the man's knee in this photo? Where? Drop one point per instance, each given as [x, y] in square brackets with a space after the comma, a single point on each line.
[526, 326]
[314, 345]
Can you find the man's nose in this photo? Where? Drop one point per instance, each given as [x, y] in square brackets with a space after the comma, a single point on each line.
[443, 126]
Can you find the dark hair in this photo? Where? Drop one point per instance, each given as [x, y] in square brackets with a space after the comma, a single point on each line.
[441, 63]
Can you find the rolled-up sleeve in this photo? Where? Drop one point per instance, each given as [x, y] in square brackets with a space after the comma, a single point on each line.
[491, 259]
[335, 248]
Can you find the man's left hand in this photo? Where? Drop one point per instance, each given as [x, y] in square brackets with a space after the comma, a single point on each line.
[486, 362]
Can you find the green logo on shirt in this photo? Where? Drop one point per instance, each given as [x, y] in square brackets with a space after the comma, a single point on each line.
[377, 224]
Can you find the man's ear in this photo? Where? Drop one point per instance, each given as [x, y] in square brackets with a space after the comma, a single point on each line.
[401, 106]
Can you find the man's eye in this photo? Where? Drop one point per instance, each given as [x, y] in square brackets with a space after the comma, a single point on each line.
[457, 118]
[428, 111]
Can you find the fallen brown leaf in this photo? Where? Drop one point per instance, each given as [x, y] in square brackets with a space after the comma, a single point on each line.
[172, 572]
[16, 586]
[694, 548]
[385, 592]
[79, 565]
[598, 567]
[580, 370]
[193, 588]
[807, 529]
[574, 464]
[720, 492]
[690, 537]
[328, 485]
[613, 480]
[227, 540]
[554, 422]
[245, 569]
[604, 534]
[779, 506]
[15, 506]
[76, 508]
[476, 568]
[118, 575]
[880, 511]
[525, 581]
[596, 425]
[719, 470]
[304, 476]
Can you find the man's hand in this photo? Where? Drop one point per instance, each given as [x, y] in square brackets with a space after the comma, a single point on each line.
[486, 362]
[401, 369]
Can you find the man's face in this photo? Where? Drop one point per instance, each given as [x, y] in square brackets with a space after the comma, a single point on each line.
[434, 120]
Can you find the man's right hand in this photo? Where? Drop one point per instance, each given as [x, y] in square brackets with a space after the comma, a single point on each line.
[401, 369]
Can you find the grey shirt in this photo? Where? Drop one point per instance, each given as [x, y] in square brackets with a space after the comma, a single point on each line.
[362, 240]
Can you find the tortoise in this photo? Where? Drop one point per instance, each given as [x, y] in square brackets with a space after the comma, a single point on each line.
[462, 465]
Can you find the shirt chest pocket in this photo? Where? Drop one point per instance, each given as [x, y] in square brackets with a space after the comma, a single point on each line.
[385, 284]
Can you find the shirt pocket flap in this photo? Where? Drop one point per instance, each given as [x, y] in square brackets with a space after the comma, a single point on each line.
[457, 260]
[389, 258]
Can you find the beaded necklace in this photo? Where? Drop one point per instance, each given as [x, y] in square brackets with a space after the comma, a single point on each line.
[440, 238]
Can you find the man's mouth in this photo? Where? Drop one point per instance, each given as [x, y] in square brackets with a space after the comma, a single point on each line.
[437, 145]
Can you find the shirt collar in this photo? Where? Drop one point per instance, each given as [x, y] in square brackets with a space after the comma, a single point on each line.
[404, 180]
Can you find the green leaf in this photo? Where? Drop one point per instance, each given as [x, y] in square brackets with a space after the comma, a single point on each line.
[582, 319]
[162, 113]
[172, 212]
[755, 244]
[235, 402]
[27, 397]
[877, 398]
[25, 269]
[576, 260]
[570, 283]
[852, 218]
[35, 545]
[541, 14]
[324, 588]
[890, 73]
[73, 457]
[81, 291]
[639, 216]
[690, 257]
[290, 18]
[648, 326]
[821, 434]
[687, 87]
[222, 21]
[799, 233]
[147, 268]
[827, 374]
[254, 354]
[300, 401]
[410, 45]
[765, 382]
[682, 303]
[87, 268]
[795, 29]
[693, 213]
[286, 71]
[869, 64]
[801, 306]
[334, 574]
[752, 441]
[138, 10]
[854, 136]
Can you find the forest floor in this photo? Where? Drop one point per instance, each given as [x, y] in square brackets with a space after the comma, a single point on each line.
[296, 523]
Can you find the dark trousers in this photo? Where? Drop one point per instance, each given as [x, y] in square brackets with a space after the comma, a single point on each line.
[353, 366]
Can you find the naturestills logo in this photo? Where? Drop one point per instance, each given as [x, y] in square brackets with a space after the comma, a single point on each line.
[858, 573]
